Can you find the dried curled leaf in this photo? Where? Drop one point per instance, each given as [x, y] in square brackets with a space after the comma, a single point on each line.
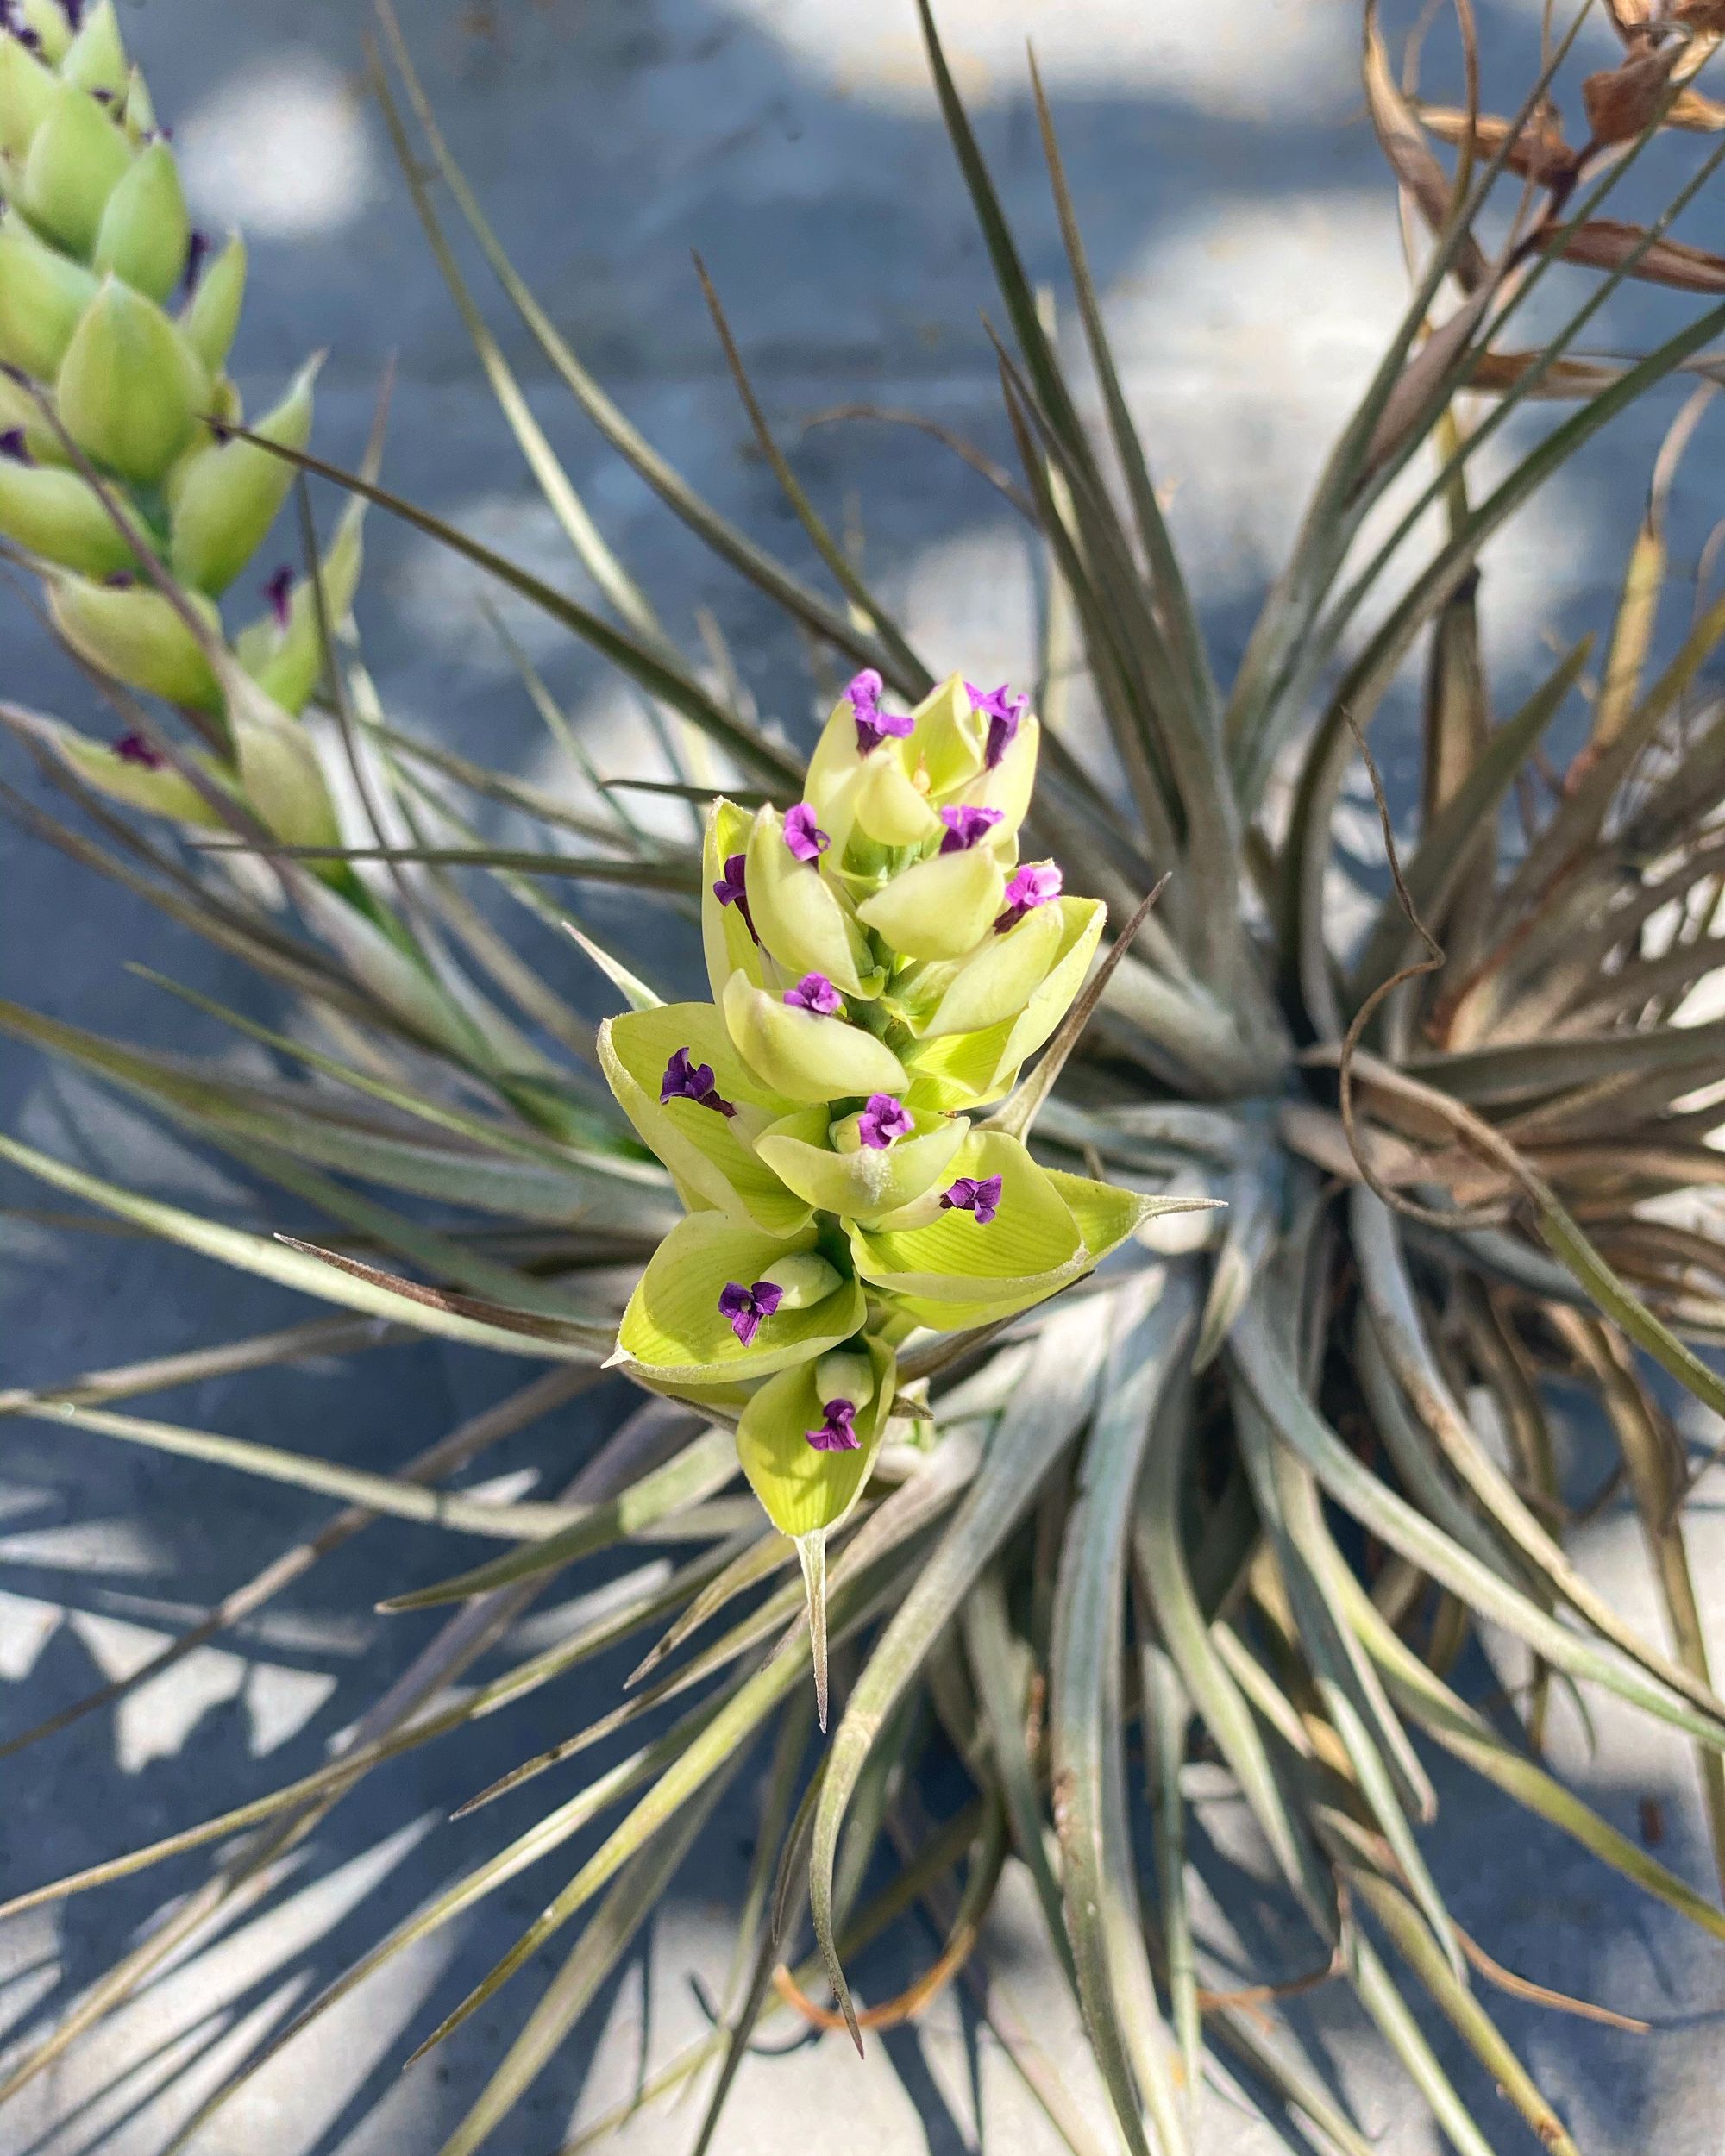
[1604, 243]
[1623, 101]
[1396, 124]
[1537, 149]
[1630, 18]
[1696, 114]
[1497, 372]
[1706, 18]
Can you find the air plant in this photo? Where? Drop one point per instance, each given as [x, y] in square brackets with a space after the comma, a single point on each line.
[1237, 1488]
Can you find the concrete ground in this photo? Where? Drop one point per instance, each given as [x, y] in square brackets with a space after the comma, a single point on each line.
[1241, 229]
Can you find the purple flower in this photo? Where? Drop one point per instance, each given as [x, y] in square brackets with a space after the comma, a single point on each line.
[973, 1194]
[746, 1306]
[814, 992]
[873, 724]
[12, 447]
[883, 1120]
[277, 592]
[1003, 711]
[965, 825]
[802, 835]
[686, 1081]
[837, 1434]
[133, 749]
[13, 24]
[1034, 885]
[732, 889]
[197, 253]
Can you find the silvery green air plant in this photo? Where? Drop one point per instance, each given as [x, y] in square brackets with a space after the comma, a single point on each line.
[119, 318]
[883, 963]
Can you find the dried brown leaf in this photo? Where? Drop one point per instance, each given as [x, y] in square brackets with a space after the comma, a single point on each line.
[1422, 375]
[1537, 152]
[1623, 101]
[1707, 17]
[1630, 18]
[1496, 372]
[1604, 243]
[1698, 115]
[1412, 159]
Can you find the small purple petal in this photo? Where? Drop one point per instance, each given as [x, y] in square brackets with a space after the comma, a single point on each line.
[965, 825]
[1003, 711]
[278, 592]
[883, 1120]
[970, 1193]
[873, 730]
[744, 1307]
[873, 724]
[837, 1433]
[732, 889]
[814, 992]
[14, 447]
[802, 835]
[686, 1081]
[133, 749]
[1036, 884]
[120, 581]
[197, 253]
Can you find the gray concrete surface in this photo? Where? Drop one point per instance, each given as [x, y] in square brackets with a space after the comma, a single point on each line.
[1239, 224]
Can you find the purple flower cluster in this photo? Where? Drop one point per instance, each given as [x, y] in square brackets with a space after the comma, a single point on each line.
[814, 992]
[873, 724]
[883, 1120]
[1035, 884]
[979, 1196]
[133, 749]
[744, 1307]
[966, 827]
[684, 1081]
[1003, 711]
[837, 1433]
[802, 835]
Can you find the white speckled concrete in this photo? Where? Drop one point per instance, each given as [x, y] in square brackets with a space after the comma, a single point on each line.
[1238, 221]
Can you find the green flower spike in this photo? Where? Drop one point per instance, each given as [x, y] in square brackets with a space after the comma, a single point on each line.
[95, 244]
[878, 962]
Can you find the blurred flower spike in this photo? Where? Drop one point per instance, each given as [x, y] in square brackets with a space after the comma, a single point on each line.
[123, 480]
[881, 965]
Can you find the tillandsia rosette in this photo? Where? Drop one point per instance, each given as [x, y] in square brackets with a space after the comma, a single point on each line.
[883, 964]
[122, 477]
